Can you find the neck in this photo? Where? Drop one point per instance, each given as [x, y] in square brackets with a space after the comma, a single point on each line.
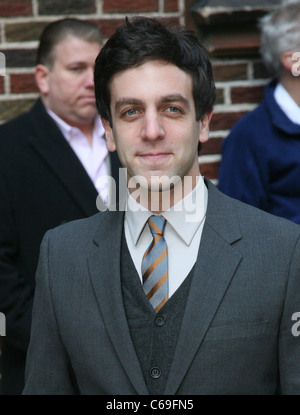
[161, 198]
[87, 131]
[86, 127]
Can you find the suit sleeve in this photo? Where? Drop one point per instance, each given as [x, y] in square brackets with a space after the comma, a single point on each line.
[16, 294]
[289, 335]
[243, 172]
[48, 371]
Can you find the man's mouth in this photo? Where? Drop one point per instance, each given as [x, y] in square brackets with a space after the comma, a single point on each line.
[154, 157]
[89, 99]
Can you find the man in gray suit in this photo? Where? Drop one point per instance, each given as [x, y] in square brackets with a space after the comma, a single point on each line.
[186, 291]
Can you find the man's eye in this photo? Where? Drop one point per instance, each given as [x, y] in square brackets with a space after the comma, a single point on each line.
[173, 109]
[76, 69]
[131, 112]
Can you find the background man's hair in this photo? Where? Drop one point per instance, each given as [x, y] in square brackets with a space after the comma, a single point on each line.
[143, 39]
[58, 31]
[280, 32]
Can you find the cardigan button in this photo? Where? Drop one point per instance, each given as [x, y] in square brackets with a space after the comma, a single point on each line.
[155, 372]
[159, 321]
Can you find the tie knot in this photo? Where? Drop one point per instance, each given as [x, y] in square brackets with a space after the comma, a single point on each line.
[157, 225]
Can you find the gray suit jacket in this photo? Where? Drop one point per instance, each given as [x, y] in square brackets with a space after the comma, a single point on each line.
[236, 335]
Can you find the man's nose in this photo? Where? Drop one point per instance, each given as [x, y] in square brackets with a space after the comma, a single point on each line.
[152, 128]
[90, 77]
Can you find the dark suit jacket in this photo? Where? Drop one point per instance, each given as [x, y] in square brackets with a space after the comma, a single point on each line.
[42, 185]
[236, 335]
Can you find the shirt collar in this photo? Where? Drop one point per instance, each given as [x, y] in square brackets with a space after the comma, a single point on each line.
[67, 129]
[184, 217]
[287, 104]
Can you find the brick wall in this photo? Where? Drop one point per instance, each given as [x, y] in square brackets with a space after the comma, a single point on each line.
[240, 81]
[21, 24]
[240, 86]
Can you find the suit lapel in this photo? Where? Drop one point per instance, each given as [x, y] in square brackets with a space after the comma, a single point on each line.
[210, 281]
[51, 146]
[115, 166]
[104, 267]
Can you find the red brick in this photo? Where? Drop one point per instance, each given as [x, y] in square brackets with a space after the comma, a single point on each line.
[1, 84]
[15, 8]
[212, 146]
[234, 72]
[171, 5]
[226, 44]
[169, 21]
[109, 26]
[260, 71]
[19, 58]
[66, 7]
[22, 83]
[127, 6]
[22, 32]
[219, 96]
[251, 94]
[210, 170]
[225, 120]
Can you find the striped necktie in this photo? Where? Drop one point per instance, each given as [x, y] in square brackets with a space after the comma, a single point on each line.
[155, 265]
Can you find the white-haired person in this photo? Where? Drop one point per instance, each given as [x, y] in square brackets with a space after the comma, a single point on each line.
[261, 155]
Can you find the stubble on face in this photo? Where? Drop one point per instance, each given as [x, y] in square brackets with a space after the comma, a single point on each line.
[154, 126]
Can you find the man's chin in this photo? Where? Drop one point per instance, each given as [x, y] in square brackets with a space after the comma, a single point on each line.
[158, 183]
[88, 113]
[160, 186]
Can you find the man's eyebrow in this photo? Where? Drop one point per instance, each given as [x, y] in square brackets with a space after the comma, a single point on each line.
[175, 98]
[127, 101]
[166, 99]
[77, 63]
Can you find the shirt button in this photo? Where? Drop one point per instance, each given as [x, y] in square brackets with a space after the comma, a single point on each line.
[155, 373]
[159, 321]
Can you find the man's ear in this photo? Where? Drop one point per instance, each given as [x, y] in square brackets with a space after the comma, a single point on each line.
[287, 60]
[109, 135]
[204, 127]
[41, 76]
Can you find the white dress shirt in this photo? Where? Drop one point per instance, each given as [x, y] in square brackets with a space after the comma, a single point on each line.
[185, 221]
[94, 158]
[287, 104]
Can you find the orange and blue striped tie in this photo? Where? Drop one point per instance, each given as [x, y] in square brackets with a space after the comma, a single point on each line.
[155, 265]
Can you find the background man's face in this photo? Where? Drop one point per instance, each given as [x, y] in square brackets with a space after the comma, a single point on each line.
[70, 85]
[154, 121]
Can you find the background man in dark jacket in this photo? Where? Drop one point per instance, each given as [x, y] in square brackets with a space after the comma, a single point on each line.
[52, 161]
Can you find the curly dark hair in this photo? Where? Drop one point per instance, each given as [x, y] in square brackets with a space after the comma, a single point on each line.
[143, 39]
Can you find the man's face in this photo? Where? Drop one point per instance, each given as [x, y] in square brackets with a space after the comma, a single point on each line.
[154, 122]
[68, 87]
